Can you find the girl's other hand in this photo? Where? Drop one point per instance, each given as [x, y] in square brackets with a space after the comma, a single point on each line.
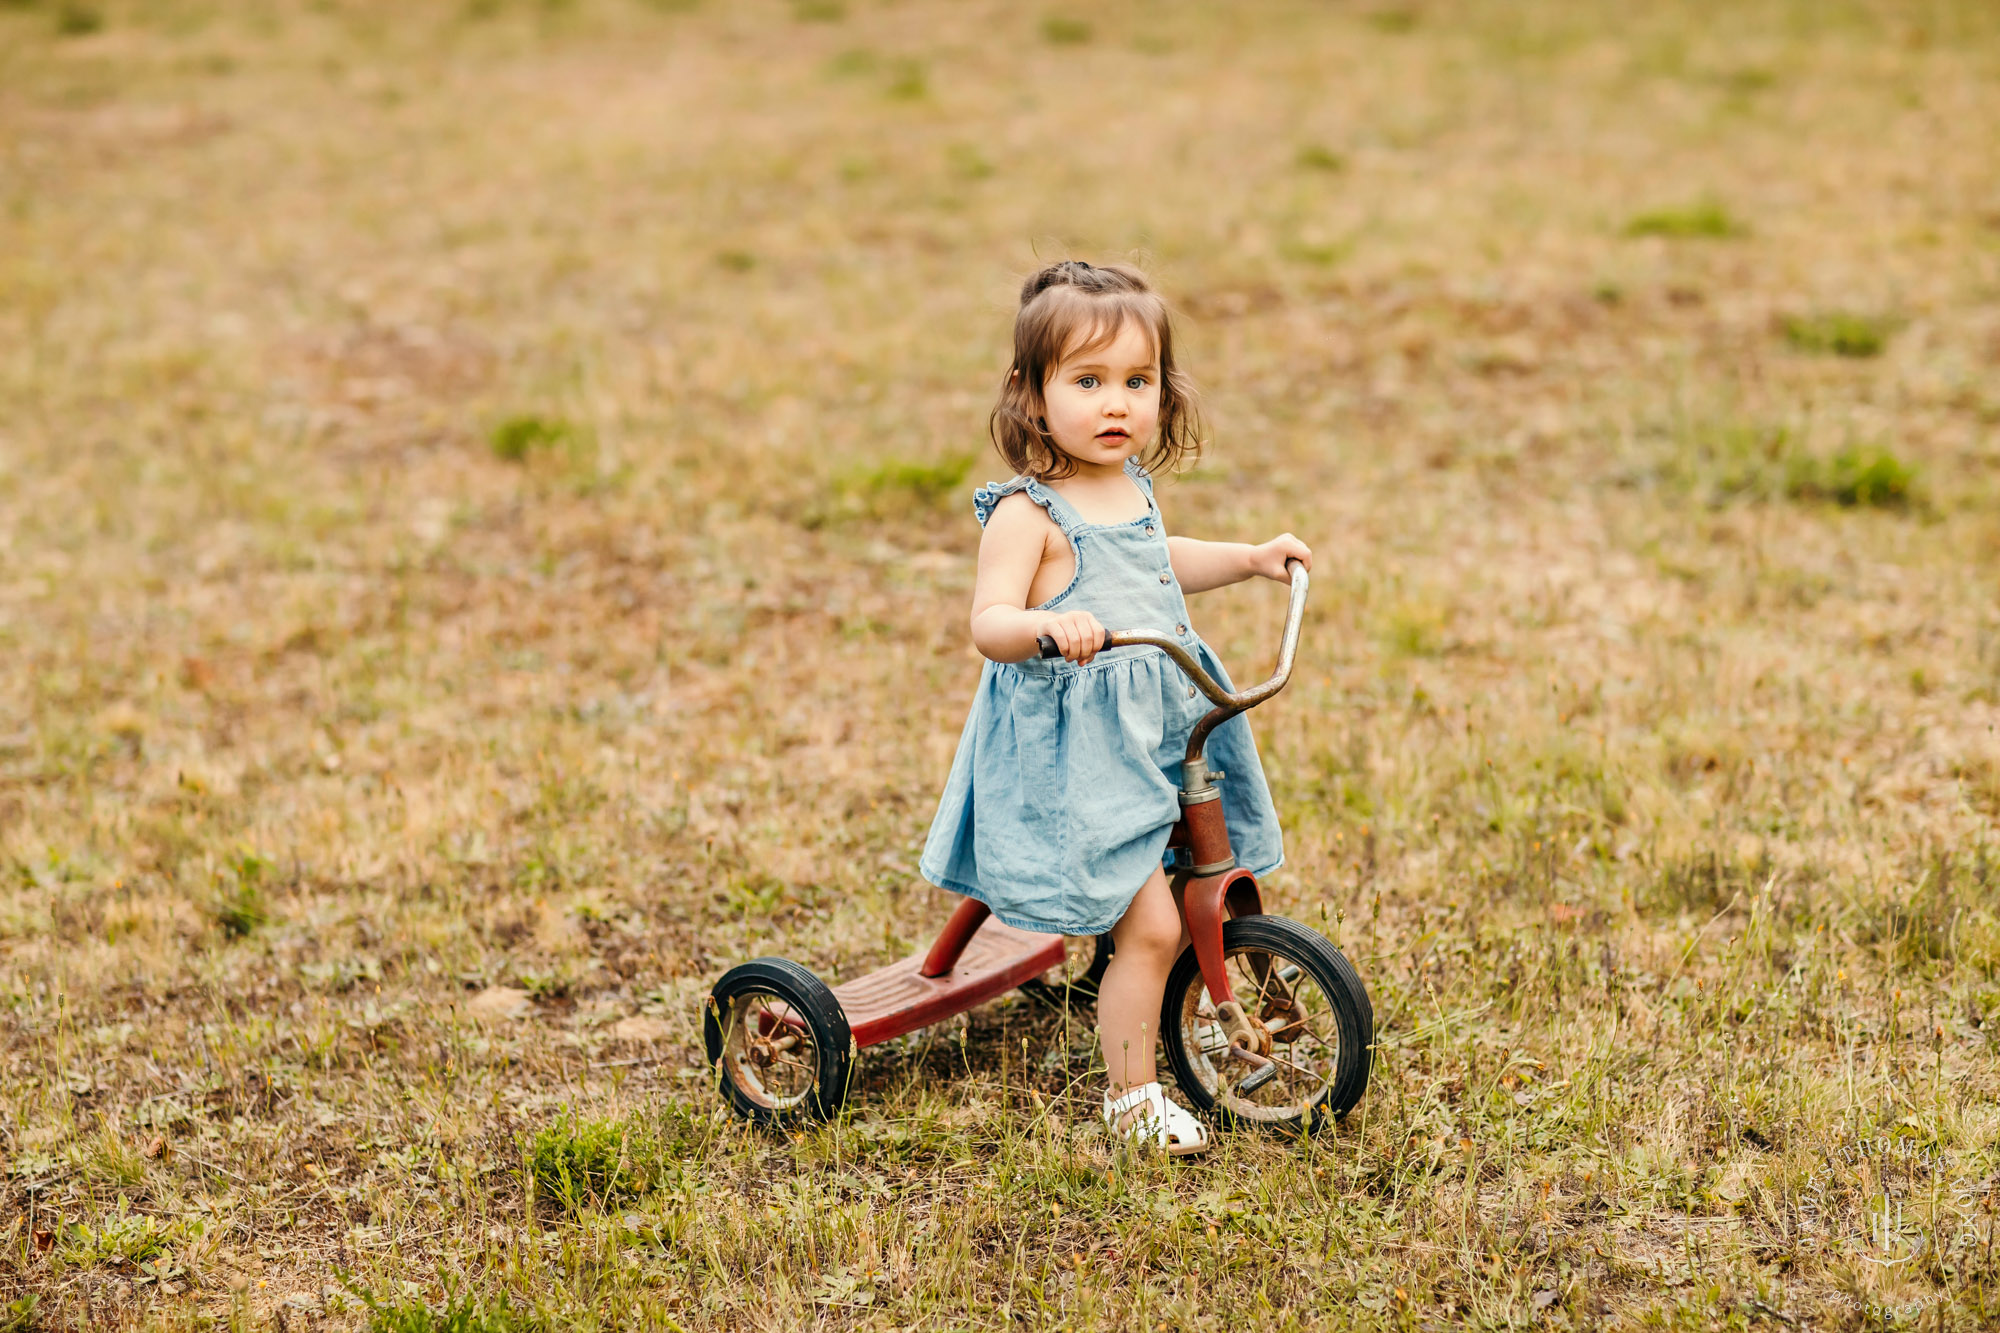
[1269, 558]
[1077, 633]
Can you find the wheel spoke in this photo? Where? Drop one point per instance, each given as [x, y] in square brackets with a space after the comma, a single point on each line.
[1272, 967]
[1330, 1045]
[1248, 972]
[1309, 1073]
[1262, 988]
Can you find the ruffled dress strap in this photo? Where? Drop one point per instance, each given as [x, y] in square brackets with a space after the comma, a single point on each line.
[1060, 512]
[1141, 479]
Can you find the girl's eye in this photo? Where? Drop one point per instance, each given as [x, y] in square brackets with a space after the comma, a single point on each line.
[1087, 382]
[1136, 382]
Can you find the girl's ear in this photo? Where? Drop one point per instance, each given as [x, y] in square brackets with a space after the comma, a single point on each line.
[1014, 378]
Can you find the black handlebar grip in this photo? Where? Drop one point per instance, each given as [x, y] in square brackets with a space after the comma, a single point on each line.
[1049, 649]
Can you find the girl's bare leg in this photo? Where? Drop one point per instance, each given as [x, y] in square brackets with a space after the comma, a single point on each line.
[1147, 940]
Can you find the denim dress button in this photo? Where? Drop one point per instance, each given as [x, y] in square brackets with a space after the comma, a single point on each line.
[1180, 629]
[1165, 577]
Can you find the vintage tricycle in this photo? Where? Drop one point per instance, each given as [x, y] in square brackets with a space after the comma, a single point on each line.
[1278, 1031]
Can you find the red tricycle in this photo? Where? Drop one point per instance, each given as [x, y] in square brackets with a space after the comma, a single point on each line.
[1277, 1032]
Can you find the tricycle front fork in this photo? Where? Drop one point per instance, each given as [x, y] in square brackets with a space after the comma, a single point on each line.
[1212, 888]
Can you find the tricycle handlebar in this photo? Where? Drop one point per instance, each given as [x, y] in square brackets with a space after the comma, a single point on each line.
[1227, 705]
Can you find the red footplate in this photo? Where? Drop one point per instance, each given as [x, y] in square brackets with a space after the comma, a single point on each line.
[897, 1000]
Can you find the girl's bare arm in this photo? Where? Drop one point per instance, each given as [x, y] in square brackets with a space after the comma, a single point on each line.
[1200, 565]
[1012, 549]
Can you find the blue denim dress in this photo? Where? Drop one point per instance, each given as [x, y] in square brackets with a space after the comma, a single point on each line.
[1067, 778]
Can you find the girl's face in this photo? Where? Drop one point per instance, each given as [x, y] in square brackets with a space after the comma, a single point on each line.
[1103, 405]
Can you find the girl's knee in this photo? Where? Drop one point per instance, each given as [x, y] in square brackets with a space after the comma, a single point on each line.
[1150, 932]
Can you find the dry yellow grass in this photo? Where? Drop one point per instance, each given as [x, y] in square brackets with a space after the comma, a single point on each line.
[483, 504]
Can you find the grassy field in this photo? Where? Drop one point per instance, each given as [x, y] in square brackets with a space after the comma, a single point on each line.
[485, 544]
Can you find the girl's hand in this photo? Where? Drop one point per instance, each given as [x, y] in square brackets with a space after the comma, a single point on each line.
[1077, 633]
[1269, 558]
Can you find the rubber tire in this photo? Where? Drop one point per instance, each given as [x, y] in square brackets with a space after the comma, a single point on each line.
[813, 1001]
[1335, 976]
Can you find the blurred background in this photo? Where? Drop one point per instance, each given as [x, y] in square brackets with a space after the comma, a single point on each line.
[484, 510]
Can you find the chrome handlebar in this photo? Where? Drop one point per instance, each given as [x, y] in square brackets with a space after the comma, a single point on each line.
[1227, 705]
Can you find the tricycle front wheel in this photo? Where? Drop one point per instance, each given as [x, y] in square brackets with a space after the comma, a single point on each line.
[1306, 995]
[778, 1041]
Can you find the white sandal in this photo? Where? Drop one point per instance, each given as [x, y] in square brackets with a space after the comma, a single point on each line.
[1160, 1124]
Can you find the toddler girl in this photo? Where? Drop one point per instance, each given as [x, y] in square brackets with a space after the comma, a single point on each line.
[1065, 784]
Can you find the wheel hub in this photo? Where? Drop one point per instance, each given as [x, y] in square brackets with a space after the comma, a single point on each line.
[1243, 1031]
[764, 1051]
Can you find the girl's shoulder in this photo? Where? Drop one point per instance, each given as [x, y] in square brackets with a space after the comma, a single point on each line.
[1013, 520]
[988, 497]
[998, 497]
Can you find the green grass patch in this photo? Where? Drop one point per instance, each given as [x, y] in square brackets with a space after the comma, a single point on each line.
[123, 1237]
[1719, 462]
[853, 63]
[78, 20]
[1744, 82]
[515, 438]
[896, 489]
[1858, 476]
[1395, 18]
[908, 82]
[1318, 157]
[241, 907]
[1839, 333]
[1703, 219]
[241, 911]
[1324, 254]
[1060, 30]
[818, 11]
[922, 483]
[602, 1163]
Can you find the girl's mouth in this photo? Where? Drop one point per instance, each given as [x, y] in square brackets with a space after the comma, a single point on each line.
[1114, 434]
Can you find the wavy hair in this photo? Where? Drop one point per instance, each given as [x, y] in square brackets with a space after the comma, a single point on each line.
[1071, 308]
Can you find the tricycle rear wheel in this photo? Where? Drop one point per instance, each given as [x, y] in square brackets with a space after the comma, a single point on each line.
[778, 1041]
[1311, 1000]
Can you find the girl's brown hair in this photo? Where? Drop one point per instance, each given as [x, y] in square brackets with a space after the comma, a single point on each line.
[1075, 307]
